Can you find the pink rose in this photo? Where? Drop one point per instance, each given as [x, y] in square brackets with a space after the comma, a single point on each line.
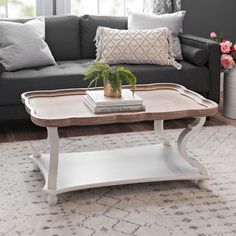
[227, 42]
[234, 47]
[227, 61]
[225, 47]
[213, 35]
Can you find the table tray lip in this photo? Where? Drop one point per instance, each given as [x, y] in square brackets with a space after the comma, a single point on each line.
[211, 107]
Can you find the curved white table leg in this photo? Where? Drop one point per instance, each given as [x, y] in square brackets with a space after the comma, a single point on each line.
[159, 128]
[52, 198]
[181, 145]
[35, 168]
[201, 183]
[53, 165]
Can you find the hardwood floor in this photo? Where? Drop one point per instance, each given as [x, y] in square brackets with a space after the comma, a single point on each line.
[23, 130]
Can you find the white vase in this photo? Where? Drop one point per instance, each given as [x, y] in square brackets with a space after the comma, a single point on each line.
[229, 95]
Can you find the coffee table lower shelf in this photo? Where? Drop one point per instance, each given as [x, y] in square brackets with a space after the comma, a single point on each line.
[85, 170]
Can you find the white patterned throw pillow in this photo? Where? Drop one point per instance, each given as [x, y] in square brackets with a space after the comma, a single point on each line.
[135, 46]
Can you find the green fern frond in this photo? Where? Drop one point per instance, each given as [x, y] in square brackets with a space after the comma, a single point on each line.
[95, 70]
[94, 81]
[114, 75]
[127, 76]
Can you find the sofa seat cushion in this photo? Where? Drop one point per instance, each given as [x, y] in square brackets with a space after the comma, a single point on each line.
[192, 77]
[66, 74]
[69, 74]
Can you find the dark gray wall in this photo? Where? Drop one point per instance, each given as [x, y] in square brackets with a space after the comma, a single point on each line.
[205, 16]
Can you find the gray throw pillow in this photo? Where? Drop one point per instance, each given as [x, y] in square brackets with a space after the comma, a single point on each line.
[23, 46]
[173, 21]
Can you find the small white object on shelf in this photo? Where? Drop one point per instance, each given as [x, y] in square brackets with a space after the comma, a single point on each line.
[98, 99]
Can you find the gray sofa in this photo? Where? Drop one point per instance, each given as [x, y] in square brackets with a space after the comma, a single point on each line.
[71, 40]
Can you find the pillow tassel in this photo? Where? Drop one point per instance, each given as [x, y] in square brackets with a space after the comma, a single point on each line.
[177, 65]
[98, 43]
[171, 58]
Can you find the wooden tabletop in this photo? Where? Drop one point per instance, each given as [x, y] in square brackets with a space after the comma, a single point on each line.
[163, 101]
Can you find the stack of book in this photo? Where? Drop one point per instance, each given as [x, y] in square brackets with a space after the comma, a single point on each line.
[99, 103]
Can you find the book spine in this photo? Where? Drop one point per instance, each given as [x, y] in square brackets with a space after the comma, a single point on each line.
[118, 109]
[113, 109]
[111, 104]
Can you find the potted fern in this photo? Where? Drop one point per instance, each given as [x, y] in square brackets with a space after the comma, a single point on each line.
[112, 78]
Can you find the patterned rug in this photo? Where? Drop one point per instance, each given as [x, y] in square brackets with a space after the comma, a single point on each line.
[151, 209]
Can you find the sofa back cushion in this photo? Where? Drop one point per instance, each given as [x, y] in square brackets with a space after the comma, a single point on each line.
[61, 35]
[88, 27]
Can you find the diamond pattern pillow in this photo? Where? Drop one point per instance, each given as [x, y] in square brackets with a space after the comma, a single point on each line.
[135, 46]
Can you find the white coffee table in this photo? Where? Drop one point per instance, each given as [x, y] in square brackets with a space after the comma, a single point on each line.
[65, 172]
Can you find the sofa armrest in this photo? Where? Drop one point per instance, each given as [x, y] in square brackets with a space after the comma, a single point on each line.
[1, 69]
[213, 49]
[196, 56]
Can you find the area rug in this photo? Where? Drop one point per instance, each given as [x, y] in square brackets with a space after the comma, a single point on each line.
[151, 209]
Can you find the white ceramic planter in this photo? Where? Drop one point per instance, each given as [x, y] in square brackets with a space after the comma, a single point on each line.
[229, 96]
